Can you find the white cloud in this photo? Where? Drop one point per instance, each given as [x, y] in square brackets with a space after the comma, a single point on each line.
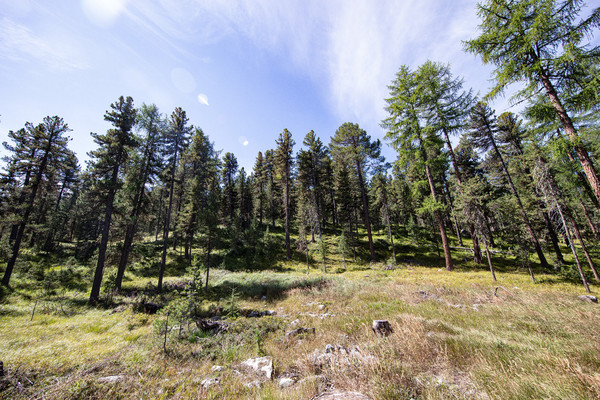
[203, 99]
[350, 48]
[103, 12]
[20, 43]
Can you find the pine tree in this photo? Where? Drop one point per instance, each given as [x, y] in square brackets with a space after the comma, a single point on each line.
[260, 183]
[37, 150]
[447, 108]
[353, 146]
[483, 133]
[108, 159]
[176, 140]
[380, 186]
[229, 172]
[201, 162]
[311, 168]
[284, 163]
[145, 167]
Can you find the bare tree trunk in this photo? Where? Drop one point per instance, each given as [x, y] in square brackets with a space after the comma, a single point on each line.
[489, 258]
[589, 219]
[583, 247]
[534, 239]
[572, 245]
[440, 222]
[567, 123]
[365, 202]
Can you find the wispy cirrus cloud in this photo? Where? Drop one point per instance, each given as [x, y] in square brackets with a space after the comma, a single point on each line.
[351, 49]
[20, 43]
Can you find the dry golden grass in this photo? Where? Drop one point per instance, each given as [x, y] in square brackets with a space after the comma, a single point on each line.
[453, 339]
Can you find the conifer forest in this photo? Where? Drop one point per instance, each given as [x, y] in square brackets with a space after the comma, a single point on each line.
[163, 269]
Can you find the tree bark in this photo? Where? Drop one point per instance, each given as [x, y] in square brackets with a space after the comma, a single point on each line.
[534, 239]
[365, 202]
[567, 123]
[163, 261]
[439, 220]
[110, 198]
[476, 249]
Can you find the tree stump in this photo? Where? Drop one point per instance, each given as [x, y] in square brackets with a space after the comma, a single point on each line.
[382, 328]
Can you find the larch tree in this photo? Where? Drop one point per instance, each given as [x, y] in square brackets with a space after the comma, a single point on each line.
[416, 142]
[544, 44]
[37, 150]
[447, 107]
[107, 160]
[483, 131]
[353, 146]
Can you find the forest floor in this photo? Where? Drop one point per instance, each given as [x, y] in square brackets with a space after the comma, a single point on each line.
[456, 335]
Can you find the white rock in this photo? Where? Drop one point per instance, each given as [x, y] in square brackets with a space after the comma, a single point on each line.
[589, 298]
[216, 368]
[253, 384]
[111, 379]
[208, 382]
[261, 365]
[286, 382]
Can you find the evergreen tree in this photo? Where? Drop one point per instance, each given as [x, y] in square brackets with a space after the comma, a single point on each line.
[201, 162]
[176, 140]
[417, 144]
[229, 172]
[483, 133]
[380, 185]
[311, 168]
[542, 43]
[260, 183]
[146, 164]
[352, 145]
[37, 151]
[284, 164]
[447, 108]
[107, 160]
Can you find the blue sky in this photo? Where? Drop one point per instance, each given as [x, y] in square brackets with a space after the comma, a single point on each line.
[243, 71]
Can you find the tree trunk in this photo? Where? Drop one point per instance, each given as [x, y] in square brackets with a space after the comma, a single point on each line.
[16, 244]
[163, 261]
[489, 258]
[534, 239]
[365, 202]
[457, 173]
[389, 226]
[572, 245]
[440, 222]
[589, 219]
[286, 202]
[552, 234]
[567, 123]
[95, 293]
[581, 242]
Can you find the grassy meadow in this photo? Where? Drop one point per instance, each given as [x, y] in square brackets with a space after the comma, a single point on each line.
[456, 335]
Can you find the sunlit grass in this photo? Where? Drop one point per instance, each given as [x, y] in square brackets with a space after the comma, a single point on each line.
[456, 334]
